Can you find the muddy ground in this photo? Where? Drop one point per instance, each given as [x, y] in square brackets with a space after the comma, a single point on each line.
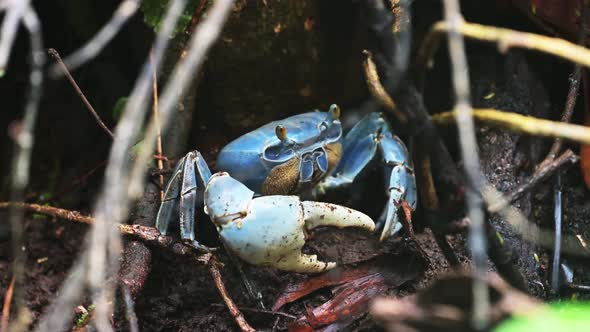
[233, 98]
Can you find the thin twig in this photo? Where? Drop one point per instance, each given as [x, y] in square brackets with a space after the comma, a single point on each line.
[261, 311]
[21, 161]
[523, 124]
[233, 308]
[113, 201]
[568, 111]
[468, 144]
[6, 307]
[566, 158]
[91, 49]
[55, 55]
[377, 90]
[146, 234]
[49, 211]
[157, 120]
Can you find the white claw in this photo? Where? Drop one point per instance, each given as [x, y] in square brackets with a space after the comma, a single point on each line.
[392, 225]
[303, 263]
[318, 214]
[270, 230]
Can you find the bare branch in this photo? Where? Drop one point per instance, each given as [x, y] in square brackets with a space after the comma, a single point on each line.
[53, 53]
[523, 124]
[233, 308]
[542, 173]
[566, 116]
[377, 89]
[506, 39]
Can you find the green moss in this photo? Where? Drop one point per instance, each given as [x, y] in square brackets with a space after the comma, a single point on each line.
[83, 318]
[154, 11]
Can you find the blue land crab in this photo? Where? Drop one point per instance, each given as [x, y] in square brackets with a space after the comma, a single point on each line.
[305, 153]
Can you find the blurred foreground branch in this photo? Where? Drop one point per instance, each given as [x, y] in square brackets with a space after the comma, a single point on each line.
[23, 136]
[471, 166]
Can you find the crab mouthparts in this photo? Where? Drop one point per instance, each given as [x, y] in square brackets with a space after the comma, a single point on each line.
[313, 165]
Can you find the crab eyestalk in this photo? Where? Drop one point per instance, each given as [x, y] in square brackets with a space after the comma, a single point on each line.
[334, 112]
[281, 132]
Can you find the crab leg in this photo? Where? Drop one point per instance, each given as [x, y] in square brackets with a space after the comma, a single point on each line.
[170, 201]
[360, 147]
[402, 183]
[188, 182]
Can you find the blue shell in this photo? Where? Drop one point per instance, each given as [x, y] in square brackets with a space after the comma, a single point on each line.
[250, 157]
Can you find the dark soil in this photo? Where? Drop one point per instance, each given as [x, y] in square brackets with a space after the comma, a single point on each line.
[179, 294]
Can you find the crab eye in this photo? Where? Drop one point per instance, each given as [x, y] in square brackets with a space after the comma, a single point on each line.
[334, 111]
[323, 126]
[281, 132]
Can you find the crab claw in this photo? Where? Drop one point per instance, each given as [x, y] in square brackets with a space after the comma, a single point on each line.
[270, 230]
[402, 190]
[318, 214]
